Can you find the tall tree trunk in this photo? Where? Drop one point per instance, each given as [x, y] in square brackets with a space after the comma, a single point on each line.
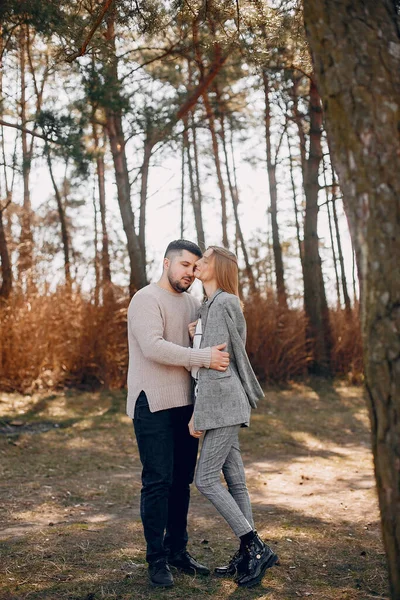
[199, 217]
[296, 209]
[26, 239]
[193, 191]
[235, 204]
[183, 188]
[6, 272]
[318, 328]
[338, 302]
[147, 152]
[115, 132]
[273, 192]
[105, 253]
[221, 185]
[97, 280]
[62, 217]
[355, 50]
[346, 296]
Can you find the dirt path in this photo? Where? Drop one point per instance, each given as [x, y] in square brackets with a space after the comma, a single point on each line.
[69, 510]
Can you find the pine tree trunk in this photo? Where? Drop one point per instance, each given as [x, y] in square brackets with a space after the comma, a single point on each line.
[235, 204]
[201, 240]
[147, 152]
[355, 50]
[346, 296]
[221, 185]
[296, 210]
[116, 136]
[318, 328]
[105, 253]
[193, 191]
[338, 302]
[63, 220]
[273, 192]
[182, 188]
[26, 240]
[6, 272]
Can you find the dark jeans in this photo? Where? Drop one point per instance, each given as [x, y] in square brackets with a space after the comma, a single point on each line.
[168, 454]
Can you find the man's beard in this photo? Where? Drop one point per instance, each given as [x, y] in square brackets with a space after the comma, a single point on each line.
[178, 286]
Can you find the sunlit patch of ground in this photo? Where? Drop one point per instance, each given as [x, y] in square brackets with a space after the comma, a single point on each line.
[69, 505]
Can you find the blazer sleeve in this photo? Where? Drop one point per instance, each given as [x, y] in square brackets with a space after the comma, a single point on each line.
[236, 325]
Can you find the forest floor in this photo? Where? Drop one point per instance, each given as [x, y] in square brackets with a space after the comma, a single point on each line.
[69, 503]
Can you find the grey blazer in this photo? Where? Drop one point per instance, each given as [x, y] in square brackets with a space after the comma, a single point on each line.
[225, 397]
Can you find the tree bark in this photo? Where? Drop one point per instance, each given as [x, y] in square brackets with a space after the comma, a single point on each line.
[116, 136]
[356, 53]
[221, 185]
[105, 253]
[147, 152]
[235, 204]
[273, 193]
[6, 272]
[318, 328]
[201, 240]
[62, 217]
[26, 239]
[346, 296]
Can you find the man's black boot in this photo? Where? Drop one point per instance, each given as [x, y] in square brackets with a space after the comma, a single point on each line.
[187, 564]
[258, 558]
[160, 574]
[234, 566]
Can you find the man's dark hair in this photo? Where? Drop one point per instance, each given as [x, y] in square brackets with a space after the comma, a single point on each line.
[177, 246]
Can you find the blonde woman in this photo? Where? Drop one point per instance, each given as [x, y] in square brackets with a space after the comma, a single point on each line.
[223, 402]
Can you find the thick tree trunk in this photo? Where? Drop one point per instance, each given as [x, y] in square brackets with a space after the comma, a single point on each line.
[355, 48]
[115, 131]
[273, 193]
[315, 304]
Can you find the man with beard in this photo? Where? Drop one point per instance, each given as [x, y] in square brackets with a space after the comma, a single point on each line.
[160, 404]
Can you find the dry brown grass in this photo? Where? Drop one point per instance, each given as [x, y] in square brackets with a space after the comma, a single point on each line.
[63, 339]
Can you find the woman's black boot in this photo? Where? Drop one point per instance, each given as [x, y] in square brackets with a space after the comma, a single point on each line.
[234, 565]
[258, 558]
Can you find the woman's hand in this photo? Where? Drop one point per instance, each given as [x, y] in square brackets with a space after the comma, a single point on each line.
[192, 329]
[192, 431]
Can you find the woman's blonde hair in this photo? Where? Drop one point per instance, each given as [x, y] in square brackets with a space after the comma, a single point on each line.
[226, 269]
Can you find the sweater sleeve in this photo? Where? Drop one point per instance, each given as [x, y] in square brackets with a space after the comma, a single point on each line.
[146, 325]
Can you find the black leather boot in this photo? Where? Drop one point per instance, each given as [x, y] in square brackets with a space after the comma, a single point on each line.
[234, 565]
[258, 558]
[159, 574]
[187, 564]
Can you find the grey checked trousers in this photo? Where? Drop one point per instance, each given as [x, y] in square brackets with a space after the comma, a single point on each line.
[221, 452]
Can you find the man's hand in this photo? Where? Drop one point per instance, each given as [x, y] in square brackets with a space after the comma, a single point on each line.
[192, 329]
[192, 431]
[219, 359]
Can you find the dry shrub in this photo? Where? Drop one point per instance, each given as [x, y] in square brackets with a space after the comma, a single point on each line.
[347, 356]
[275, 339]
[61, 339]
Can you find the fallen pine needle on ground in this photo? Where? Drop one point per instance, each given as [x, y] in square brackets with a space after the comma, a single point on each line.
[69, 506]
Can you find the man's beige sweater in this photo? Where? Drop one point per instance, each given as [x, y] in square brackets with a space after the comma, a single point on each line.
[160, 358]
